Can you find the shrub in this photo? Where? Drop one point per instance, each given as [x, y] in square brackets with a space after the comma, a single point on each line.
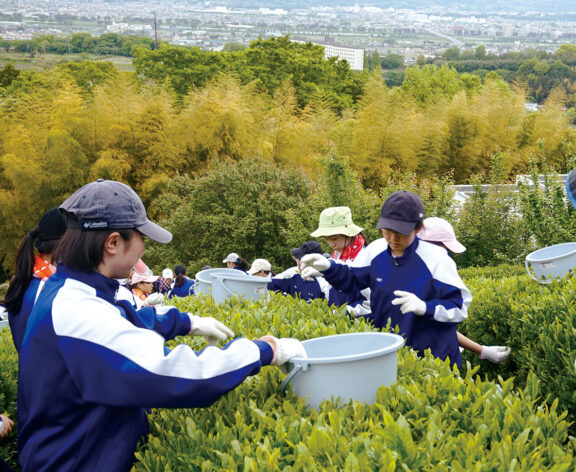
[8, 390]
[490, 225]
[537, 321]
[233, 207]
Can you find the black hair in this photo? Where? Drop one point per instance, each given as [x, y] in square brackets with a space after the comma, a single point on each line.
[180, 273]
[24, 266]
[242, 264]
[22, 274]
[84, 250]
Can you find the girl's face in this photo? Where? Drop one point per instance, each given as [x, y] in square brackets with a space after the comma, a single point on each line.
[230, 265]
[129, 252]
[398, 242]
[337, 242]
[146, 287]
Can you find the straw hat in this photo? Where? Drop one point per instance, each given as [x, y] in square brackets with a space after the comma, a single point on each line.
[336, 220]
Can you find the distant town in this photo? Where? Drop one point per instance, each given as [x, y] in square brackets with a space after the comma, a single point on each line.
[210, 26]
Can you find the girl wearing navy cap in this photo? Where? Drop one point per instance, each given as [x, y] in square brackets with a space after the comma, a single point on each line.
[414, 284]
[89, 370]
[290, 282]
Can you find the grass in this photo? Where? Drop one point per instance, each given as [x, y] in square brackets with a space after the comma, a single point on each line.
[40, 62]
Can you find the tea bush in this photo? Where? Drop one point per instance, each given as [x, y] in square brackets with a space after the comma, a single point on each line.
[8, 390]
[431, 419]
[538, 321]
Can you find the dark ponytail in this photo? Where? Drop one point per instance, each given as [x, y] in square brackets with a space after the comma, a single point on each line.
[23, 274]
[44, 238]
[242, 264]
[180, 273]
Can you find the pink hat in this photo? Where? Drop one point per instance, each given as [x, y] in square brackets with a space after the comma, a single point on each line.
[436, 229]
[136, 277]
[141, 267]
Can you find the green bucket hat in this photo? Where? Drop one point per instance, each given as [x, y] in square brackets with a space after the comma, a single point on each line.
[336, 220]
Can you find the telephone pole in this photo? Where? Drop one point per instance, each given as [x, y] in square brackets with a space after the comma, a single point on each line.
[155, 33]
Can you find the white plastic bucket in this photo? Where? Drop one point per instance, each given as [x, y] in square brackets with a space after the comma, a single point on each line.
[551, 262]
[350, 366]
[225, 286]
[203, 279]
[225, 283]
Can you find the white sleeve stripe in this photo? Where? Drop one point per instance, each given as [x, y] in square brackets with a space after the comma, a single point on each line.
[74, 316]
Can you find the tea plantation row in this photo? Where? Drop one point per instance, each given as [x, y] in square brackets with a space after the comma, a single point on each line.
[431, 419]
[517, 417]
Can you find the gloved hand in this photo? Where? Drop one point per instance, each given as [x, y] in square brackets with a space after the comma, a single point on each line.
[5, 425]
[284, 350]
[409, 303]
[495, 354]
[309, 273]
[316, 261]
[210, 328]
[154, 299]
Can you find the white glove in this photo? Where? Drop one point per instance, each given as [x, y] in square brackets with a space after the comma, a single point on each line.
[316, 261]
[284, 350]
[495, 354]
[210, 328]
[154, 299]
[309, 273]
[409, 302]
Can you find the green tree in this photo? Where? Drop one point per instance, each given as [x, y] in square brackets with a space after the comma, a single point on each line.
[88, 74]
[548, 214]
[392, 61]
[567, 54]
[489, 223]
[451, 54]
[8, 74]
[232, 206]
[480, 52]
[429, 84]
[375, 61]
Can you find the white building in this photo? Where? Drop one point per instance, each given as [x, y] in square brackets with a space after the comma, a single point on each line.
[354, 57]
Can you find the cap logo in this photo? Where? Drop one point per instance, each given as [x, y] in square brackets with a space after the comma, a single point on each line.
[96, 224]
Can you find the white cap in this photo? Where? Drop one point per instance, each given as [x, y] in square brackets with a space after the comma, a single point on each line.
[258, 265]
[168, 274]
[232, 257]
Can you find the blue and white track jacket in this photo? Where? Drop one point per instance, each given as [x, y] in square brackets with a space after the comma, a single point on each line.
[425, 270]
[87, 374]
[290, 282]
[19, 321]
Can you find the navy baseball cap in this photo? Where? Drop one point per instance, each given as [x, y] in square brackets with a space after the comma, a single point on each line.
[107, 204]
[52, 227]
[309, 247]
[401, 212]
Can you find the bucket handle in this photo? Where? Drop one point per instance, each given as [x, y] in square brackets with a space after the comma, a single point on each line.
[528, 269]
[295, 371]
[226, 290]
[541, 281]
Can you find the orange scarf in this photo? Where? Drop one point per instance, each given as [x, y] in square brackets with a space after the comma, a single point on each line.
[139, 293]
[42, 268]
